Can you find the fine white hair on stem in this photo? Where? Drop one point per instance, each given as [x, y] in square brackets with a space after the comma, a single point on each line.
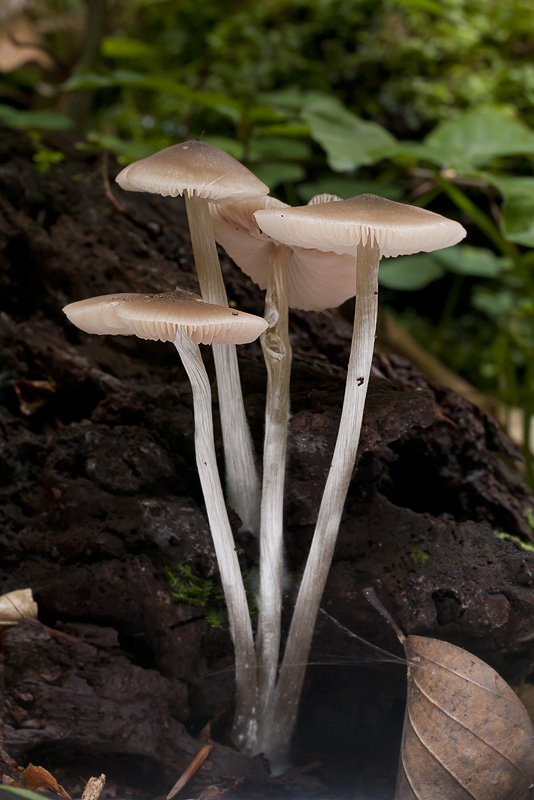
[283, 712]
[244, 730]
[242, 481]
[277, 354]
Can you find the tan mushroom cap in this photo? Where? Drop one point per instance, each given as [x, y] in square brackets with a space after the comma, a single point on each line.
[397, 228]
[195, 168]
[315, 280]
[164, 316]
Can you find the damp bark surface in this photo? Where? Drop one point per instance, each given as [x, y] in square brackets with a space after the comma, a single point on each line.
[99, 498]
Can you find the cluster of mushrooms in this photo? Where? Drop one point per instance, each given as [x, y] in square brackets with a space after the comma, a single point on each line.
[313, 257]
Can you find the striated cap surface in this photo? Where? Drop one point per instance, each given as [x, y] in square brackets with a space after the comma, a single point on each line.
[164, 316]
[397, 228]
[195, 168]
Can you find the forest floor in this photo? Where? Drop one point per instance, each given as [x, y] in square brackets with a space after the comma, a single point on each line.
[99, 498]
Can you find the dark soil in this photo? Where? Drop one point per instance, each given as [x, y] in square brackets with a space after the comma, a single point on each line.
[99, 496]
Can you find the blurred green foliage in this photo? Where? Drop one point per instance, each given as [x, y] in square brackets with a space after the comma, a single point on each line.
[429, 102]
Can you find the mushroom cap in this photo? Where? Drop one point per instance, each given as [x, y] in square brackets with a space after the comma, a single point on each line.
[164, 316]
[315, 280]
[397, 228]
[195, 168]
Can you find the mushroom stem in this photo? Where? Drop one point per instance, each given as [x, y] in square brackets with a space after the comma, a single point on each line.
[244, 730]
[289, 687]
[277, 354]
[242, 482]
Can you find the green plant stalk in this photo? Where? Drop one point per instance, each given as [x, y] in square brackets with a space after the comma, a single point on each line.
[242, 482]
[283, 712]
[481, 220]
[277, 354]
[487, 226]
[244, 729]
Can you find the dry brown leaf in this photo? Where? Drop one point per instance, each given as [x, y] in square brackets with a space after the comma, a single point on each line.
[39, 779]
[14, 606]
[466, 734]
[19, 44]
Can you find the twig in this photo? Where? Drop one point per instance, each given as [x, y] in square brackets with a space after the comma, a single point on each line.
[193, 767]
[107, 188]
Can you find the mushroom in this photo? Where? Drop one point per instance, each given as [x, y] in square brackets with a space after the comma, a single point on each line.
[366, 228]
[296, 277]
[187, 321]
[201, 173]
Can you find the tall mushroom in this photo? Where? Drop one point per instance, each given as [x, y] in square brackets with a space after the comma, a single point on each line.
[187, 321]
[368, 228]
[293, 277]
[203, 173]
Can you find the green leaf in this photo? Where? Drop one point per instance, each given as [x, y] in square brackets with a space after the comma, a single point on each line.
[289, 130]
[410, 273]
[422, 5]
[477, 262]
[121, 47]
[87, 80]
[276, 147]
[12, 792]
[231, 146]
[346, 187]
[349, 141]
[34, 120]
[226, 106]
[274, 173]
[477, 137]
[518, 208]
[128, 150]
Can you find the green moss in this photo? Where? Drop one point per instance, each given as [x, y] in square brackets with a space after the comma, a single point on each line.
[195, 590]
[420, 557]
[516, 539]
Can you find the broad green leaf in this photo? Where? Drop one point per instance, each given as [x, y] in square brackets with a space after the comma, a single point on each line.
[87, 80]
[349, 141]
[121, 47]
[346, 187]
[518, 208]
[278, 148]
[231, 146]
[274, 173]
[127, 150]
[409, 273]
[34, 120]
[289, 130]
[225, 106]
[476, 262]
[477, 137]
[264, 114]
[422, 5]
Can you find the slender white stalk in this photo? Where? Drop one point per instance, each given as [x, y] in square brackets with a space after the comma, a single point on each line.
[284, 710]
[242, 482]
[245, 725]
[277, 354]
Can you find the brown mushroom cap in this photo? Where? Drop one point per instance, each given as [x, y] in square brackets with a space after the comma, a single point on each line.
[164, 316]
[195, 168]
[397, 228]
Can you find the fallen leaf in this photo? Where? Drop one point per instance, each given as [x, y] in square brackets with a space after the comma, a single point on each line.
[39, 779]
[17, 605]
[466, 735]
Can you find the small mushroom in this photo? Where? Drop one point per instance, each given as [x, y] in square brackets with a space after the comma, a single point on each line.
[201, 173]
[366, 228]
[187, 321]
